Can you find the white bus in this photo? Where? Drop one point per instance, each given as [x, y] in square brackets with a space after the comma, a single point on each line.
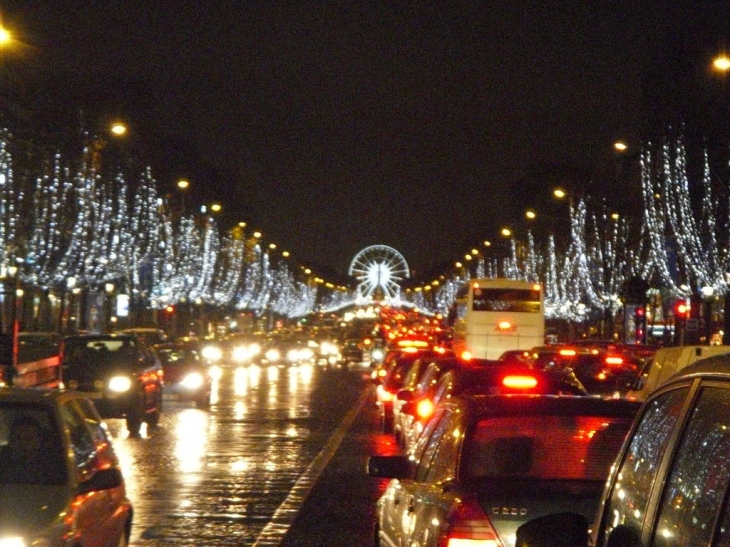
[491, 316]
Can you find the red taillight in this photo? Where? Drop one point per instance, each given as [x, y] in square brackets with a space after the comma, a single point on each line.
[519, 381]
[614, 361]
[424, 408]
[469, 526]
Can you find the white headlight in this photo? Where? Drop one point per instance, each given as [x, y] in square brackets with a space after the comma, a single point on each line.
[241, 353]
[14, 542]
[273, 355]
[215, 372]
[212, 353]
[306, 353]
[120, 384]
[193, 380]
[293, 355]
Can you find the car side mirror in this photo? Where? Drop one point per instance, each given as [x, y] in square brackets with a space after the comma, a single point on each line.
[554, 530]
[104, 479]
[389, 467]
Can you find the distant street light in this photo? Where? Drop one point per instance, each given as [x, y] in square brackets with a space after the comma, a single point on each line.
[721, 63]
[183, 186]
[620, 146]
[5, 37]
[530, 214]
[118, 129]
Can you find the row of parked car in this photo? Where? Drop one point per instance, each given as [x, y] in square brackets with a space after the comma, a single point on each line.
[526, 452]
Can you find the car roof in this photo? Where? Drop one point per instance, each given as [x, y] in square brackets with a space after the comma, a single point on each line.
[716, 366]
[503, 405]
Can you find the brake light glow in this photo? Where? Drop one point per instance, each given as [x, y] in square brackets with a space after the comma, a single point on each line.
[505, 326]
[424, 408]
[412, 343]
[567, 352]
[466, 355]
[614, 360]
[469, 526]
[519, 381]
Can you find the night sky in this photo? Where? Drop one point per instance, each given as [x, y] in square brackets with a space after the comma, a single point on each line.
[331, 126]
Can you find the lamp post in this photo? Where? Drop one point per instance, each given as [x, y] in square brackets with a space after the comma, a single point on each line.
[183, 185]
[109, 300]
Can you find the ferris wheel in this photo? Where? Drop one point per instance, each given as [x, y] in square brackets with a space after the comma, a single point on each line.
[379, 268]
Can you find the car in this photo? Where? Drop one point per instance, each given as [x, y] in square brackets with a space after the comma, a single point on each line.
[486, 464]
[396, 366]
[187, 375]
[122, 375]
[150, 335]
[413, 400]
[484, 377]
[669, 482]
[604, 372]
[60, 481]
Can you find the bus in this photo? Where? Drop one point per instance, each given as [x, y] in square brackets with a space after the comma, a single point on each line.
[36, 363]
[491, 316]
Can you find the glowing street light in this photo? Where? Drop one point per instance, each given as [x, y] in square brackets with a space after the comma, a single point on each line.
[530, 214]
[118, 129]
[620, 146]
[183, 184]
[215, 207]
[721, 63]
[560, 193]
[5, 37]
[506, 232]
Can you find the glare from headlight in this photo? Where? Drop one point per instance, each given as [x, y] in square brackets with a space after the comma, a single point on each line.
[255, 349]
[328, 348]
[193, 380]
[212, 353]
[293, 355]
[215, 372]
[377, 354]
[241, 353]
[14, 542]
[273, 355]
[306, 353]
[119, 384]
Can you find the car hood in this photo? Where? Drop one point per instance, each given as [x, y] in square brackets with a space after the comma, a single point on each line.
[30, 508]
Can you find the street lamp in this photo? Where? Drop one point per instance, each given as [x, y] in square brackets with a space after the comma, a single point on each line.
[183, 185]
[109, 288]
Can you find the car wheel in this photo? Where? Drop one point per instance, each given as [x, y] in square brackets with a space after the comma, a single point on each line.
[154, 417]
[203, 401]
[134, 423]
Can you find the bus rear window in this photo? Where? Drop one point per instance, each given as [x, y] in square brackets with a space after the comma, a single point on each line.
[514, 300]
[545, 447]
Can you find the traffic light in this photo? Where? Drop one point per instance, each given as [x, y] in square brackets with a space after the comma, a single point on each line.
[681, 310]
[681, 313]
[640, 324]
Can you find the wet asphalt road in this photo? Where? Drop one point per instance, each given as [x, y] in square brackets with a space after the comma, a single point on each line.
[278, 459]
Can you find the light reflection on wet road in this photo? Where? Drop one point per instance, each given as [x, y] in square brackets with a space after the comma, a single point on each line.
[216, 477]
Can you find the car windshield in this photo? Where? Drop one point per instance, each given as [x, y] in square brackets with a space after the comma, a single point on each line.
[31, 451]
[101, 351]
[544, 447]
[178, 356]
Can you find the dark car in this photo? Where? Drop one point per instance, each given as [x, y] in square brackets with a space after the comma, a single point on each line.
[483, 377]
[187, 375]
[669, 484]
[396, 366]
[117, 371]
[487, 464]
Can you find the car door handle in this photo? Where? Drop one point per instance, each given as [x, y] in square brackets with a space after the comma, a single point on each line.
[396, 499]
[411, 505]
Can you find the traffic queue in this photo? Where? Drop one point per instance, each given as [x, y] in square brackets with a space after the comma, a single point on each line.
[487, 445]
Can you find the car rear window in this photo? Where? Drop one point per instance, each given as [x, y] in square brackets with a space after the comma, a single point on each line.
[545, 447]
